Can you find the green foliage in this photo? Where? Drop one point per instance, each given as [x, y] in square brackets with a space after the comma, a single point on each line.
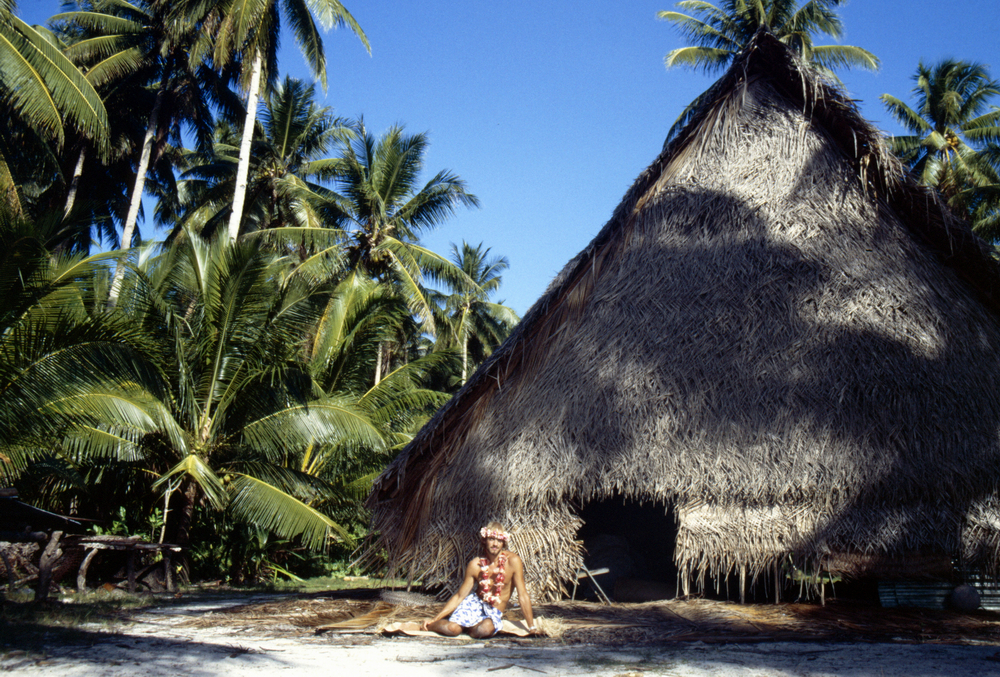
[468, 321]
[236, 398]
[719, 33]
[45, 87]
[383, 210]
[242, 406]
[289, 158]
[954, 140]
[66, 374]
[246, 27]
[126, 522]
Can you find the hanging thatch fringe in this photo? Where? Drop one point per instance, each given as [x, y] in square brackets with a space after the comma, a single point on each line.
[778, 334]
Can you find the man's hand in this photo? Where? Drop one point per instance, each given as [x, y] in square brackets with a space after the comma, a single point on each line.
[423, 626]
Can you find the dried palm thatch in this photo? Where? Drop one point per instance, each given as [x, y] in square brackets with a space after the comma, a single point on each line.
[778, 333]
[654, 622]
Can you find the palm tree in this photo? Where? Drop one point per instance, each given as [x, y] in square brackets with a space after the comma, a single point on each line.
[954, 140]
[243, 408]
[87, 188]
[44, 89]
[289, 155]
[383, 211]
[63, 367]
[250, 31]
[719, 33]
[343, 352]
[475, 325]
[148, 42]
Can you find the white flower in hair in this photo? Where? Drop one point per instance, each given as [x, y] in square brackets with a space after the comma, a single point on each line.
[494, 533]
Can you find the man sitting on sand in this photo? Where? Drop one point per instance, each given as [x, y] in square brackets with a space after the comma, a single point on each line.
[481, 612]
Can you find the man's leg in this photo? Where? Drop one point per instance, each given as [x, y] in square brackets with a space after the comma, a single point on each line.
[446, 627]
[483, 629]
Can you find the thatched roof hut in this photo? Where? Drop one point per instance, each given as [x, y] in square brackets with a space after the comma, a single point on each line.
[778, 335]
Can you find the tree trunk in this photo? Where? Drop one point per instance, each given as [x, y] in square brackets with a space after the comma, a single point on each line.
[464, 337]
[138, 188]
[243, 170]
[465, 358]
[74, 184]
[81, 576]
[50, 554]
[180, 530]
[378, 364]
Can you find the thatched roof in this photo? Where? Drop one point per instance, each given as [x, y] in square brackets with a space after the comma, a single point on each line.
[778, 333]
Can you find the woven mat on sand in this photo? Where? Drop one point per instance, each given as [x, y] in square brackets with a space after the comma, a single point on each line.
[669, 620]
[412, 628]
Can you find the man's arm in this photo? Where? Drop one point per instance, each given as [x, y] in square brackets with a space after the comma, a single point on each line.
[471, 572]
[522, 592]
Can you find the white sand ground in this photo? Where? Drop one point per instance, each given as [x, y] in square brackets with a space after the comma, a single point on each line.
[157, 643]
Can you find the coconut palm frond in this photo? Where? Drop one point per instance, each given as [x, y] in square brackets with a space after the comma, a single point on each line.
[271, 508]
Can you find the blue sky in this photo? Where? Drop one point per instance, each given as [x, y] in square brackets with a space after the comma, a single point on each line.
[550, 110]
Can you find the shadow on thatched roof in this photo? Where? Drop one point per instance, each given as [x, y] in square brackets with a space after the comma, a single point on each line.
[919, 207]
[854, 331]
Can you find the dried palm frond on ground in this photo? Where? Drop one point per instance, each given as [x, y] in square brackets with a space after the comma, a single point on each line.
[619, 624]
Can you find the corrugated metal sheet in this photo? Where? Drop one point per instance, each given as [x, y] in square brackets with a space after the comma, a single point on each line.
[934, 594]
[929, 595]
[989, 590]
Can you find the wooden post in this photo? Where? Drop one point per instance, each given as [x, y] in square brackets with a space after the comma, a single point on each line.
[168, 570]
[49, 557]
[130, 568]
[81, 577]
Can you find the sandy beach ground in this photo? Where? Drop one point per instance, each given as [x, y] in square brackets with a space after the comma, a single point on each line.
[163, 642]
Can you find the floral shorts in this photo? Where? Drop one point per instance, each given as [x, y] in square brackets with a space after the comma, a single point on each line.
[472, 610]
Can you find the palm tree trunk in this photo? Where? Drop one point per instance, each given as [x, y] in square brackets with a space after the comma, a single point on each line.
[138, 188]
[243, 170]
[464, 334]
[465, 358]
[74, 184]
[378, 364]
[179, 533]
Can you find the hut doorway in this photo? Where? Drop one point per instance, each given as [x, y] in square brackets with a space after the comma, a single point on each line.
[635, 541]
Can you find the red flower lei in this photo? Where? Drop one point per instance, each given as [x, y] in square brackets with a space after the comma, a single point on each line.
[491, 596]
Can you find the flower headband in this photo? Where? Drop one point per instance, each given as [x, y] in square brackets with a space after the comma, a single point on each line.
[485, 533]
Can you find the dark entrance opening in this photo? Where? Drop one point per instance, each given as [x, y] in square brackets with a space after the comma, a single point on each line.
[635, 541]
